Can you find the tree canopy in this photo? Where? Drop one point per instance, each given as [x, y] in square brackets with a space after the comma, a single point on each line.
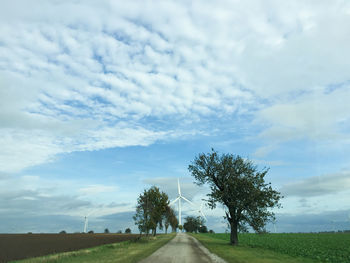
[170, 219]
[194, 224]
[150, 210]
[237, 184]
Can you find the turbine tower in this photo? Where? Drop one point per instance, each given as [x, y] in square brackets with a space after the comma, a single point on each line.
[85, 224]
[179, 197]
[201, 212]
[86, 221]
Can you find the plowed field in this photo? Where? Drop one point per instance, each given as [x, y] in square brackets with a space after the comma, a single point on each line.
[20, 246]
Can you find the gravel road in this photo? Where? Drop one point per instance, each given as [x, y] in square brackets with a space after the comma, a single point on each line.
[183, 248]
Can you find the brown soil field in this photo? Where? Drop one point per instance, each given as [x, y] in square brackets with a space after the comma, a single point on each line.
[21, 246]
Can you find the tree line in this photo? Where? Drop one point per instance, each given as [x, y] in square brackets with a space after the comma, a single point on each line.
[153, 211]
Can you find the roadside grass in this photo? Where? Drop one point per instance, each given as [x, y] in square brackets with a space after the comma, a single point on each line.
[245, 254]
[126, 252]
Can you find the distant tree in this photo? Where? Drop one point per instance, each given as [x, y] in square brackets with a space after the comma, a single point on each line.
[106, 231]
[192, 224]
[128, 231]
[119, 232]
[203, 229]
[150, 210]
[91, 232]
[211, 231]
[63, 232]
[180, 227]
[238, 185]
[170, 219]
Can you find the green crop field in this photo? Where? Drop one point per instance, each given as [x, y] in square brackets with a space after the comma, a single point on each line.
[330, 247]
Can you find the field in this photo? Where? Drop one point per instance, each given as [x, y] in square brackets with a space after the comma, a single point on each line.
[330, 247]
[20, 246]
[130, 251]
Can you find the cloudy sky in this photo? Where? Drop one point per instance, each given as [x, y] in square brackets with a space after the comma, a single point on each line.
[101, 99]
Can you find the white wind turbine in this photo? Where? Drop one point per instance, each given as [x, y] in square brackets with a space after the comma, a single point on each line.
[179, 200]
[86, 221]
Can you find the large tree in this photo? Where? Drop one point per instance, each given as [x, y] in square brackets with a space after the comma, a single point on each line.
[150, 210]
[237, 184]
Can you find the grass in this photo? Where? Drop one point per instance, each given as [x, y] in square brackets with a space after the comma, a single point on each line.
[126, 252]
[243, 253]
[323, 247]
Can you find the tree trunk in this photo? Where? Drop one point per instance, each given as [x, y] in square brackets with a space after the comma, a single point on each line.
[234, 233]
[155, 232]
[166, 230]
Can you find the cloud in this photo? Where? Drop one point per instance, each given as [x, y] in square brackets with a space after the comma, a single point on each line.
[315, 222]
[318, 185]
[96, 189]
[128, 77]
[32, 203]
[317, 115]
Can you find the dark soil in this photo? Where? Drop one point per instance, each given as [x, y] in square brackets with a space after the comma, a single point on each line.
[21, 246]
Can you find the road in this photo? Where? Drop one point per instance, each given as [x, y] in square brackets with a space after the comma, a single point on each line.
[182, 248]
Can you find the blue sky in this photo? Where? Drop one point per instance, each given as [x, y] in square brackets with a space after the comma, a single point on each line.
[99, 100]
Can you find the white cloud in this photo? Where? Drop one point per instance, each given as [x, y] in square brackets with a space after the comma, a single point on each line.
[96, 189]
[126, 76]
[319, 115]
[318, 185]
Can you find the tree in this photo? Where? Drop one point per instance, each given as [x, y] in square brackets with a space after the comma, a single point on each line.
[106, 231]
[203, 229]
[170, 219]
[174, 223]
[150, 210]
[119, 232]
[128, 231]
[193, 224]
[237, 184]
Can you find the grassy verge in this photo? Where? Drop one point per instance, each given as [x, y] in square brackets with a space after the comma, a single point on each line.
[126, 252]
[245, 254]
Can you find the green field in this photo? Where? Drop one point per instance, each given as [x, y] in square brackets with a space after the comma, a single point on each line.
[330, 247]
[123, 252]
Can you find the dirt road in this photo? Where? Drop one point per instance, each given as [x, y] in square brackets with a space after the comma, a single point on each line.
[183, 248]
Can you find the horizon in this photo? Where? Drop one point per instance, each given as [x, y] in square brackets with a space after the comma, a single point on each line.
[99, 101]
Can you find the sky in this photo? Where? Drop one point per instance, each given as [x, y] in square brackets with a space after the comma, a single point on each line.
[100, 100]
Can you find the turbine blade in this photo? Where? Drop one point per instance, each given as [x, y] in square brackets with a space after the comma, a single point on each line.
[203, 215]
[172, 202]
[178, 186]
[184, 198]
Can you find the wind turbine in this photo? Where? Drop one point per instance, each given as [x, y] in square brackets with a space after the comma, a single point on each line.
[86, 221]
[179, 197]
[201, 211]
